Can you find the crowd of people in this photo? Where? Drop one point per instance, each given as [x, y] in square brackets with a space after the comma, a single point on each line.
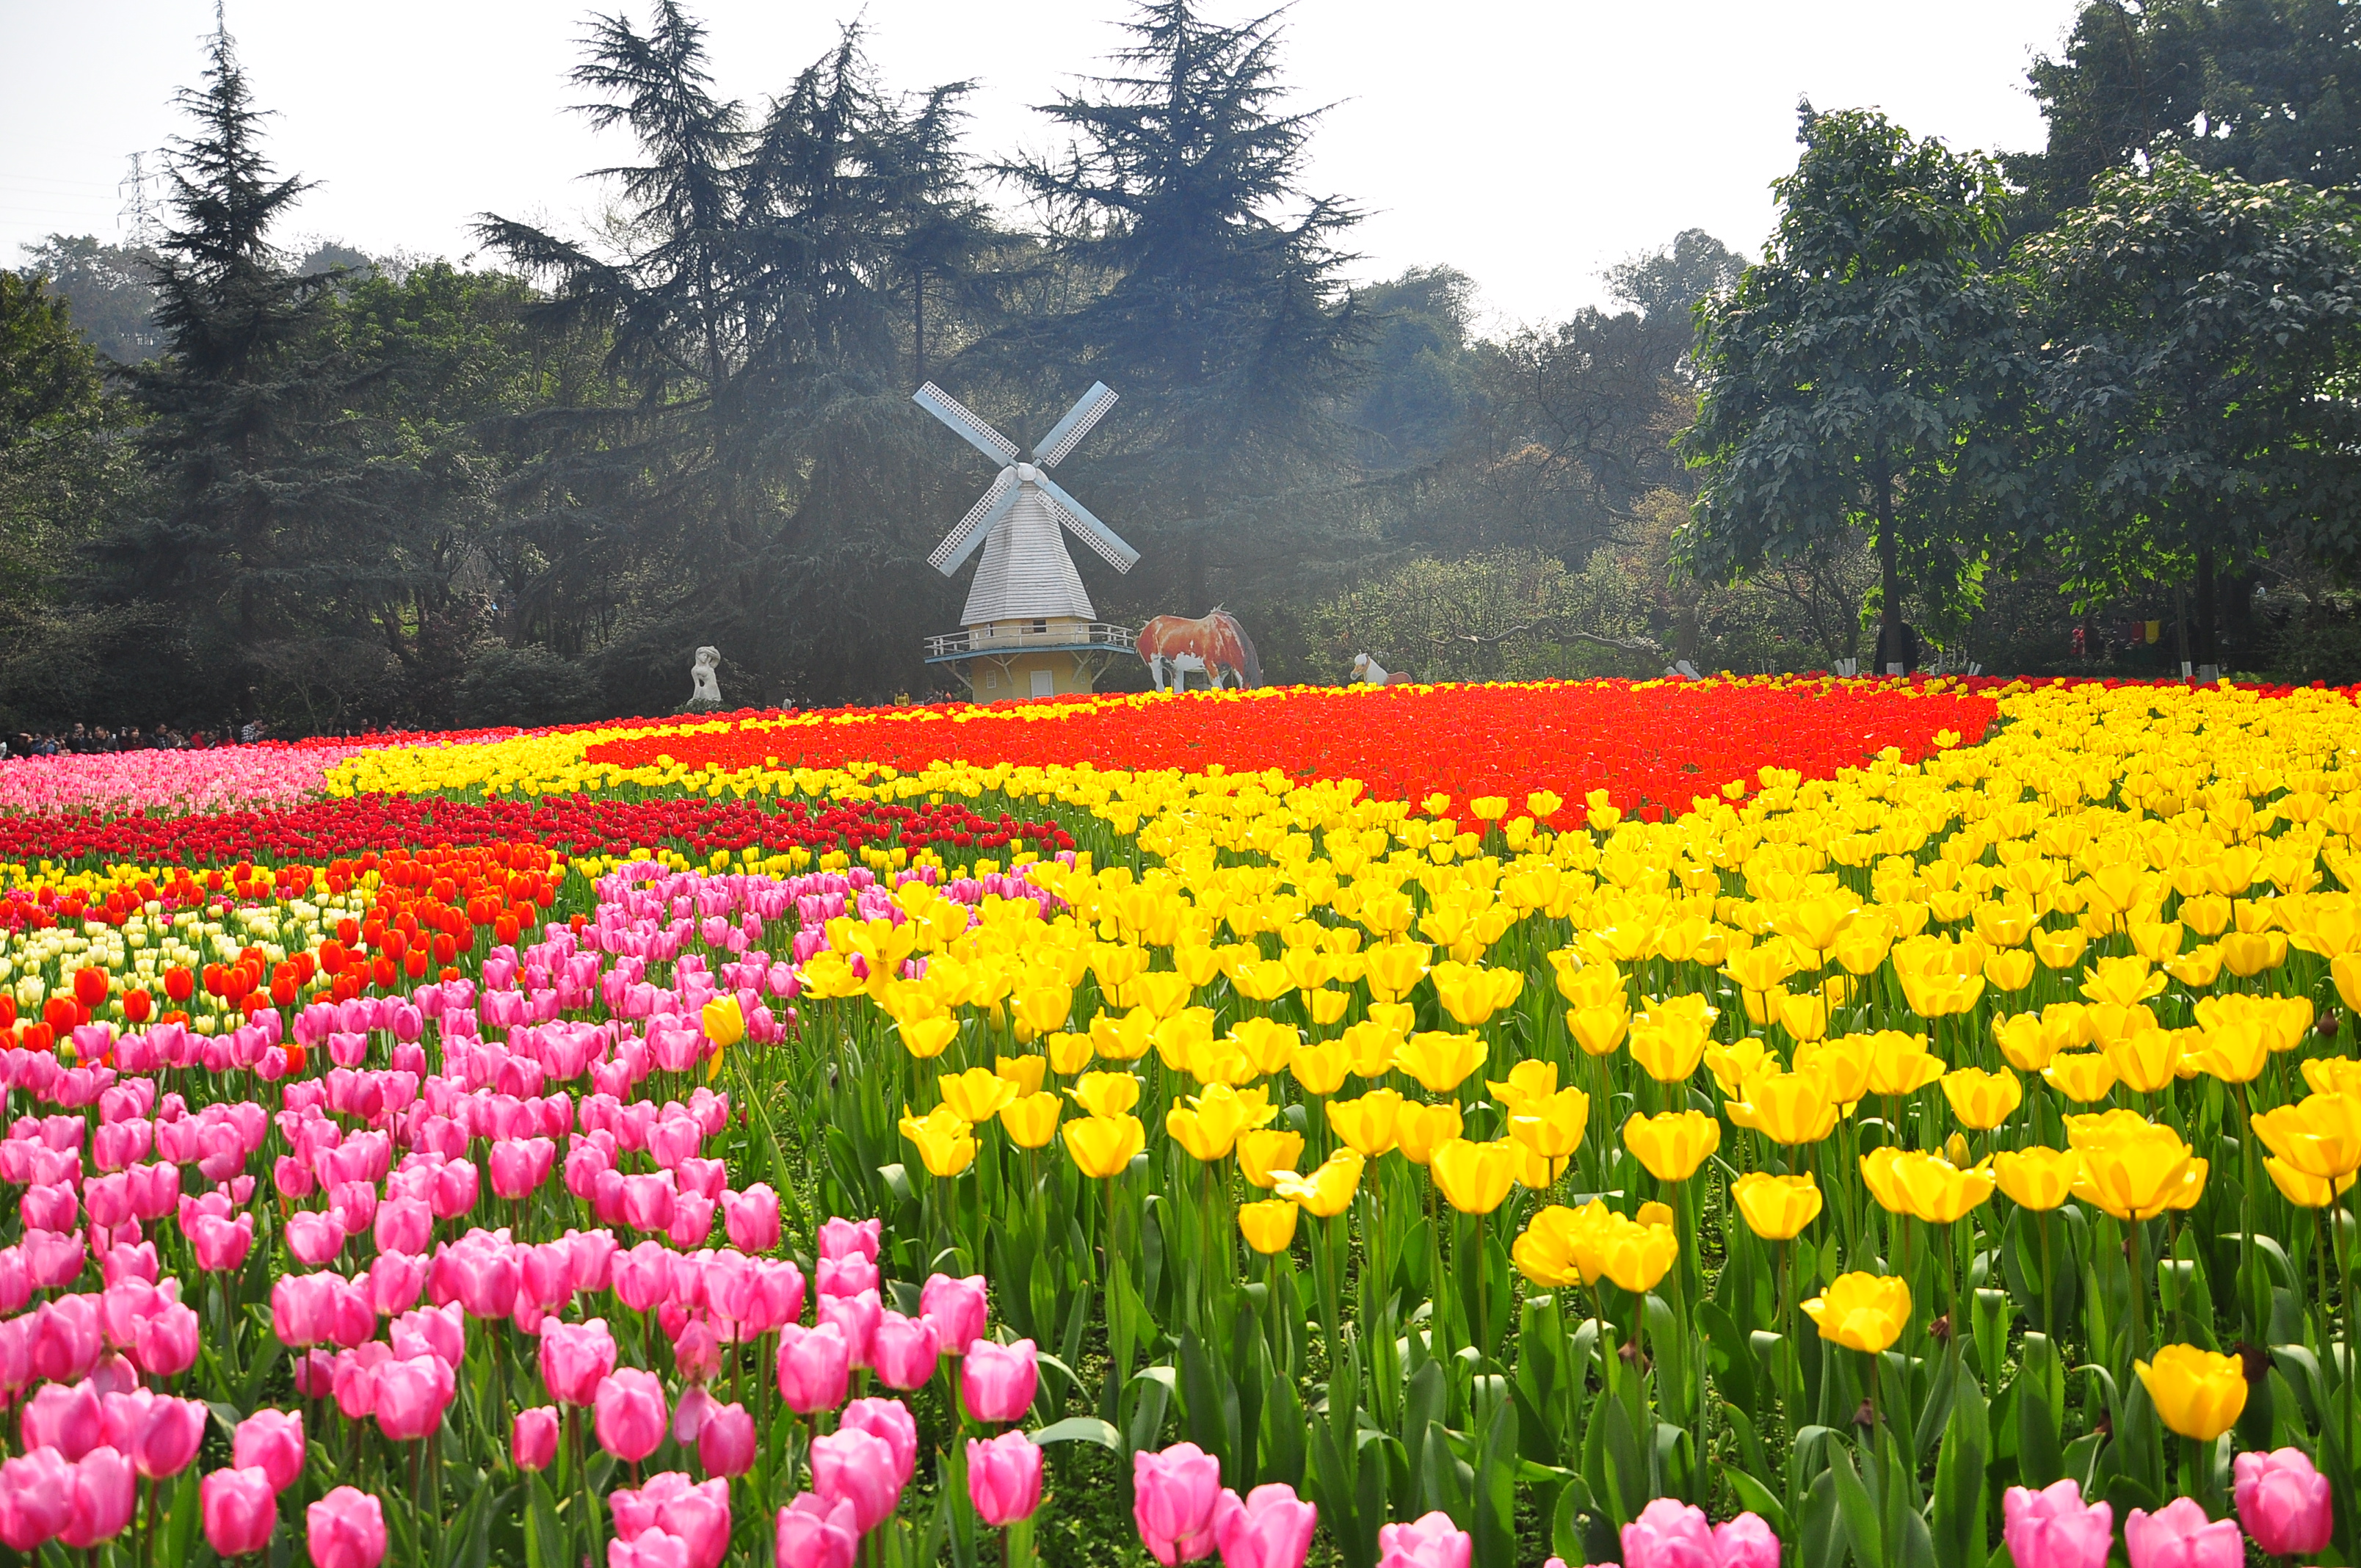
[87, 740]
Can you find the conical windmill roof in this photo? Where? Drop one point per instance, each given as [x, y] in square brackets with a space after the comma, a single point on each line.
[1026, 574]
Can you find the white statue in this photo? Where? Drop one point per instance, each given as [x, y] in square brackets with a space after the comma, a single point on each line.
[1369, 673]
[705, 691]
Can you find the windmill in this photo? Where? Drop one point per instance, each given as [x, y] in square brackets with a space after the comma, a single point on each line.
[1030, 629]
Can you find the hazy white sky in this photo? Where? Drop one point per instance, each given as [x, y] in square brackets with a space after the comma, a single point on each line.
[1530, 144]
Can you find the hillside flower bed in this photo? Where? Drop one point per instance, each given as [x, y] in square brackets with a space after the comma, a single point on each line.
[1903, 1125]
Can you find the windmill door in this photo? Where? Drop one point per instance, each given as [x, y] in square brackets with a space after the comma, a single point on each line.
[1044, 683]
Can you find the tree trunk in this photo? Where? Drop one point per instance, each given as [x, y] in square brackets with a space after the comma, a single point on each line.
[2208, 653]
[1889, 568]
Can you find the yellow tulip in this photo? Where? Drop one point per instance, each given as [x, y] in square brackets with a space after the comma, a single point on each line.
[2304, 1191]
[1328, 1191]
[1983, 1100]
[2332, 1075]
[1926, 1187]
[1268, 1226]
[2235, 1054]
[1125, 1038]
[1528, 1081]
[1634, 1256]
[1732, 1064]
[1070, 1052]
[1266, 1152]
[946, 1140]
[2125, 981]
[1471, 993]
[2197, 1393]
[1786, 1107]
[1105, 1093]
[1030, 1121]
[1546, 1252]
[1861, 1311]
[1900, 1063]
[2060, 949]
[2009, 970]
[1209, 1124]
[1551, 1126]
[2081, 1076]
[1941, 993]
[2319, 1136]
[2135, 1174]
[1817, 923]
[2025, 1041]
[1418, 1129]
[2248, 953]
[725, 1023]
[1667, 1046]
[1843, 1066]
[926, 1038]
[977, 1095]
[1473, 1177]
[1104, 1145]
[1162, 993]
[1672, 1145]
[2145, 1061]
[1267, 1042]
[1320, 1069]
[1440, 1060]
[1023, 1071]
[1777, 1208]
[1043, 1007]
[1182, 1038]
[2036, 1177]
[1327, 1005]
[1805, 1017]
[1598, 1030]
[1395, 967]
[1367, 1125]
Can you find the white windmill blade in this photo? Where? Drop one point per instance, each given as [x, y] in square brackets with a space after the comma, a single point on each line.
[962, 419]
[988, 508]
[1088, 410]
[1088, 528]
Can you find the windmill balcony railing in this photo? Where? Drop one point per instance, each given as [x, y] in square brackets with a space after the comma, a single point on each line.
[1024, 637]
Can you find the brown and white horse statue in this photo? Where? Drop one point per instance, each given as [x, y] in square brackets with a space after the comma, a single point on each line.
[1213, 646]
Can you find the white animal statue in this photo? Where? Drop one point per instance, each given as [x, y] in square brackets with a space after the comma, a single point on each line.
[704, 690]
[1183, 666]
[1369, 673]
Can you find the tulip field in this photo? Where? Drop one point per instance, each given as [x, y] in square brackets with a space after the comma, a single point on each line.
[1718, 1124]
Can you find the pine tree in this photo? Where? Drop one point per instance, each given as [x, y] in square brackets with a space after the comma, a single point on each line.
[1226, 328]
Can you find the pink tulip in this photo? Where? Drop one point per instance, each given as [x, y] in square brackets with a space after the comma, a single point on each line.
[271, 1442]
[650, 1548]
[345, 1529]
[1271, 1528]
[160, 1435]
[220, 1244]
[813, 1367]
[313, 1238]
[1434, 1541]
[36, 1498]
[816, 1532]
[631, 1415]
[890, 1422]
[752, 1218]
[844, 1276]
[998, 1380]
[1669, 1534]
[726, 1444]
[70, 1418]
[574, 1357]
[956, 1309]
[856, 1467]
[412, 1396]
[167, 1341]
[1173, 1497]
[696, 1353]
[2053, 1528]
[1746, 1541]
[854, 1317]
[239, 1508]
[2179, 1535]
[2283, 1502]
[104, 1489]
[532, 1439]
[848, 1238]
[902, 1351]
[1004, 1480]
[699, 1515]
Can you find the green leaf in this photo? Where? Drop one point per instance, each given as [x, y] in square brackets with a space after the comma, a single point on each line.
[1756, 1497]
[1958, 1522]
[1080, 1429]
[1856, 1511]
